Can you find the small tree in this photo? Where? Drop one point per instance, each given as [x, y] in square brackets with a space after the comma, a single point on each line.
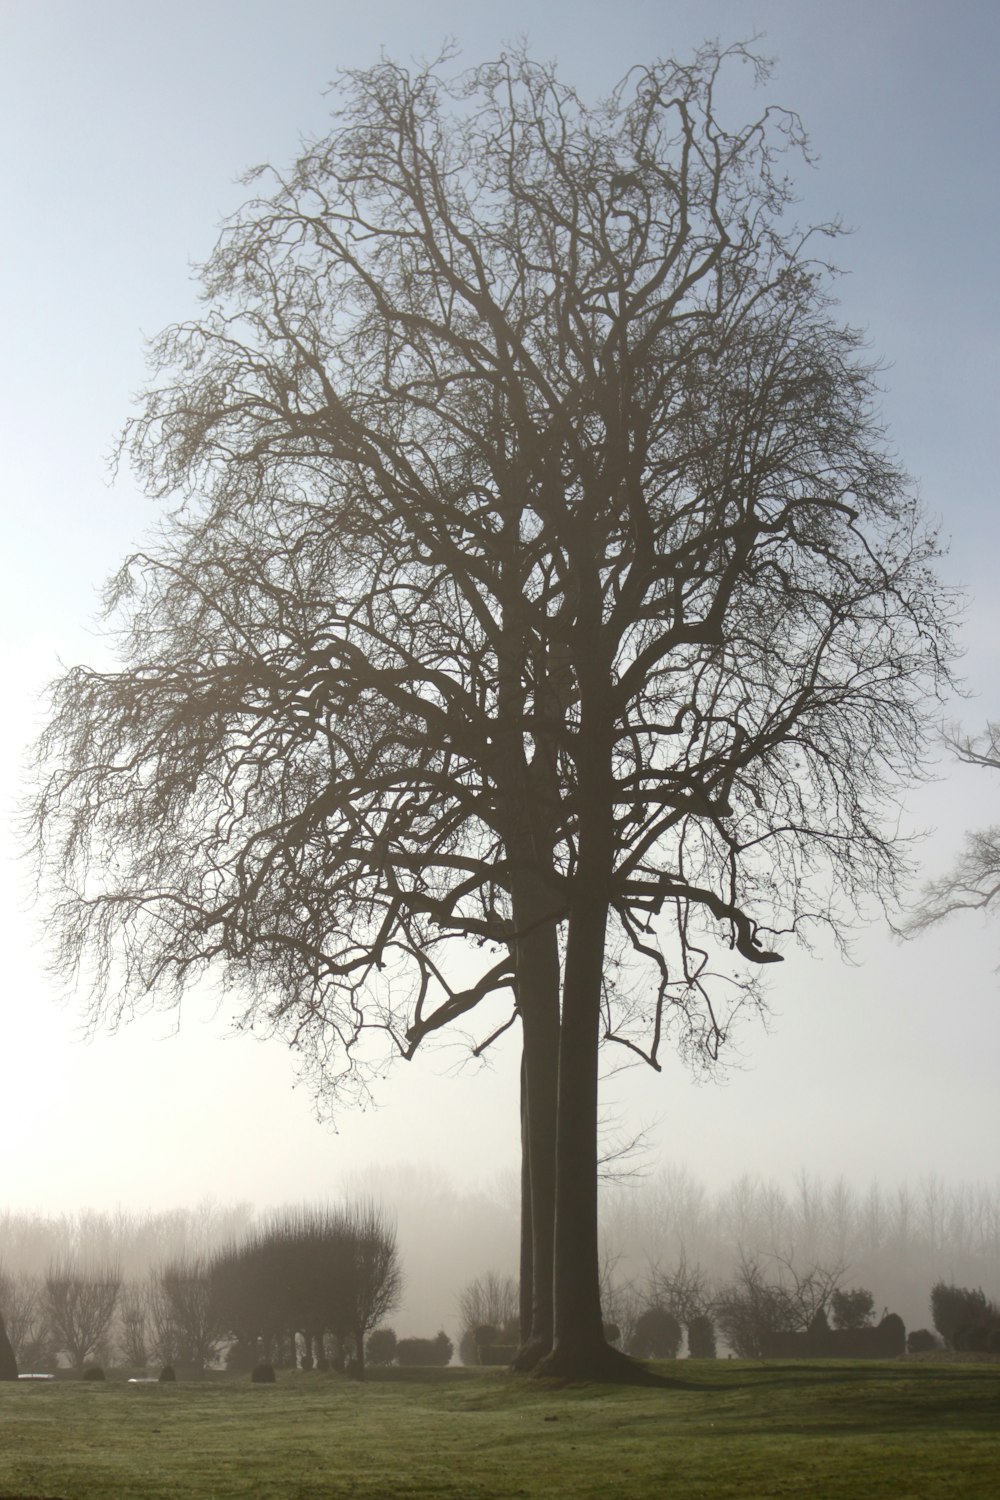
[380, 1348]
[853, 1309]
[958, 1307]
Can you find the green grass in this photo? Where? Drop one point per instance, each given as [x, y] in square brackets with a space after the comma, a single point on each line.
[724, 1429]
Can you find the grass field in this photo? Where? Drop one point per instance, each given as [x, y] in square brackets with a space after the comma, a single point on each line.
[722, 1429]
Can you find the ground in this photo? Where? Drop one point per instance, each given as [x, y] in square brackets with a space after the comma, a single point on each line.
[919, 1429]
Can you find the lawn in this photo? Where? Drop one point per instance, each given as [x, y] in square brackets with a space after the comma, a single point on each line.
[721, 1429]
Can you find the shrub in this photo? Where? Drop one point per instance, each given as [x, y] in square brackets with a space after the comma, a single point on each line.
[612, 1334]
[263, 1374]
[168, 1373]
[93, 1372]
[657, 1335]
[852, 1309]
[994, 1345]
[921, 1340]
[443, 1349]
[957, 1307]
[436, 1351]
[381, 1346]
[892, 1331]
[977, 1339]
[491, 1301]
[701, 1337]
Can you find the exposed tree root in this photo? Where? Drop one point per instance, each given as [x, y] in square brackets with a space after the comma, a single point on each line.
[529, 1355]
[600, 1363]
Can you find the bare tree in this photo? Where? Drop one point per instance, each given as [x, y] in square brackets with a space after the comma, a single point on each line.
[134, 1324]
[488, 1301]
[757, 1303]
[973, 883]
[543, 593]
[22, 1303]
[306, 1277]
[191, 1311]
[79, 1307]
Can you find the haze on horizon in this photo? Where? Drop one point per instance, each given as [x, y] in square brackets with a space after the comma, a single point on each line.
[125, 130]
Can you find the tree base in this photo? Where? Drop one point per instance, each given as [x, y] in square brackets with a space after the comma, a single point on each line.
[598, 1362]
[530, 1355]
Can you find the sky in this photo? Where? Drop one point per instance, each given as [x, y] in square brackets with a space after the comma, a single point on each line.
[125, 129]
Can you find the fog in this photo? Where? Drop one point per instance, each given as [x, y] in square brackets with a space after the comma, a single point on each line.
[895, 1239]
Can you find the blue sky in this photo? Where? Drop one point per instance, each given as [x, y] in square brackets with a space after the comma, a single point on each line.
[125, 127]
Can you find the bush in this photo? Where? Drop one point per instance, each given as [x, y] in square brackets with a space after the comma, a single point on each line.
[956, 1308]
[263, 1374]
[93, 1372]
[852, 1309]
[701, 1337]
[168, 1373]
[892, 1331]
[497, 1354]
[490, 1302]
[381, 1346]
[977, 1339]
[921, 1340]
[436, 1351]
[657, 1335]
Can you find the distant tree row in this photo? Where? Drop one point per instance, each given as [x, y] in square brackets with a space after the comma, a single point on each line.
[303, 1288]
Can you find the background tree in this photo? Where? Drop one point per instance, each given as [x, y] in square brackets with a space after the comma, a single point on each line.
[489, 1301]
[133, 1325]
[955, 1309]
[192, 1313]
[308, 1280]
[380, 1347]
[852, 1309]
[542, 581]
[22, 1304]
[756, 1304]
[8, 1360]
[80, 1307]
[657, 1335]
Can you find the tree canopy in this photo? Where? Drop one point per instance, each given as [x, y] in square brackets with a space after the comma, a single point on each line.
[542, 625]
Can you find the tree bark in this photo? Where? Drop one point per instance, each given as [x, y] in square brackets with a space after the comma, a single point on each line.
[537, 959]
[579, 1349]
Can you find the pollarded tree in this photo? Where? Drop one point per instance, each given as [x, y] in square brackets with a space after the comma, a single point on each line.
[80, 1306]
[190, 1309]
[541, 582]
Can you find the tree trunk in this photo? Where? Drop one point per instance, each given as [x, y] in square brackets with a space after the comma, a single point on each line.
[526, 1280]
[579, 1349]
[537, 956]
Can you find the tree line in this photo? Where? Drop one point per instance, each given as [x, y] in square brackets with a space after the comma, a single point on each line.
[897, 1240]
[303, 1289]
